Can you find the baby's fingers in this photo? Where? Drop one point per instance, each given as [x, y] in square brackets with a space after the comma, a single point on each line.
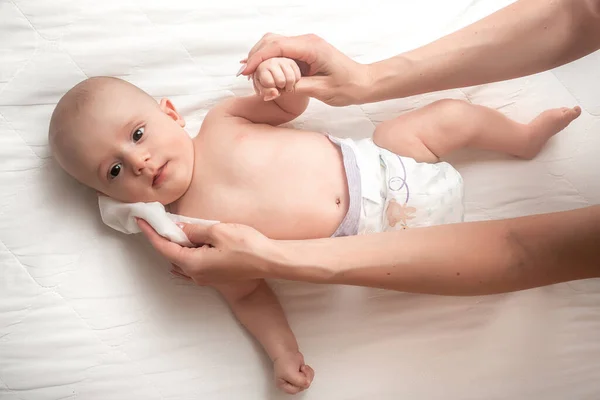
[257, 86]
[290, 77]
[309, 372]
[278, 75]
[270, 94]
[297, 72]
[265, 78]
[267, 94]
[288, 387]
[296, 378]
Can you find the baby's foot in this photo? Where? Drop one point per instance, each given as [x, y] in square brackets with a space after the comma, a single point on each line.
[546, 125]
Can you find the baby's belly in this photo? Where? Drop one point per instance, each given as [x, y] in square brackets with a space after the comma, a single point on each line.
[287, 186]
[293, 213]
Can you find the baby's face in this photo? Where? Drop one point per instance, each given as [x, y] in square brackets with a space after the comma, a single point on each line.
[133, 150]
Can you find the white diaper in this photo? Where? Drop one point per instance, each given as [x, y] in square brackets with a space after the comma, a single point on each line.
[398, 192]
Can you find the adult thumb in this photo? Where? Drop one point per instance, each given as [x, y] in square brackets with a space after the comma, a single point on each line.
[312, 86]
[198, 234]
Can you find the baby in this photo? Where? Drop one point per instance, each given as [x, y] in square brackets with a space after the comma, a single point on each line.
[289, 184]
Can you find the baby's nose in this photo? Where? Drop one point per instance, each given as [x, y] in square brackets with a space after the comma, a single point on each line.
[141, 165]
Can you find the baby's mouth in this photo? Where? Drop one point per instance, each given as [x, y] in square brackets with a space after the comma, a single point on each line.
[159, 176]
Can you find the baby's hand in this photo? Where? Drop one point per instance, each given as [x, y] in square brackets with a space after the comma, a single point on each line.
[291, 374]
[275, 75]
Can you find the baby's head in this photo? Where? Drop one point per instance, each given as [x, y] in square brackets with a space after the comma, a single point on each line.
[113, 137]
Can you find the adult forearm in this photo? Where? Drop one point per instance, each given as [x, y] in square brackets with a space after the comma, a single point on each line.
[526, 37]
[460, 259]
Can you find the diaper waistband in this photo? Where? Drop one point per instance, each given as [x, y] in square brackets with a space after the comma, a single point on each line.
[349, 225]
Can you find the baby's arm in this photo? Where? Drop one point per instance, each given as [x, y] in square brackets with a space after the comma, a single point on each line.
[257, 308]
[275, 102]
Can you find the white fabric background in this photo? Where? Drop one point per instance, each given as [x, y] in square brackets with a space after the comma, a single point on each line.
[88, 313]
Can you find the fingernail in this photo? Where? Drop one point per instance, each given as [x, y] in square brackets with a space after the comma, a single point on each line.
[249, 77]
[242, 68]
[180, 225]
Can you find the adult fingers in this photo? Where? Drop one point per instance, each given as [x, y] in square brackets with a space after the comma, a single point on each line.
[301, 48]
[266, 38]
[180, 275]
[199, 234]
[313, 86]
[170, 250]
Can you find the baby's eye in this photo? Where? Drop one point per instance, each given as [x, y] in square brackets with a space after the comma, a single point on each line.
[114, 171]
[137, 134]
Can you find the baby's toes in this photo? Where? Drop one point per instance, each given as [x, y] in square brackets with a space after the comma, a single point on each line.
[574, 112]
[568, 114]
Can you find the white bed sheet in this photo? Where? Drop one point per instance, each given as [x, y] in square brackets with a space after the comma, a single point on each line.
[89, 313]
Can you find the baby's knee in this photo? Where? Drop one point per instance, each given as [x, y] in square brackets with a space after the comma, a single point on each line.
[454, 116]
[451, 107]
[408, 145]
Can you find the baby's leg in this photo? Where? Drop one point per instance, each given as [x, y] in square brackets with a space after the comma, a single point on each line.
[439, 128]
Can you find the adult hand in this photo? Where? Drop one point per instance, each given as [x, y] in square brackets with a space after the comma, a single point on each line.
[227, 252]
[328, 74]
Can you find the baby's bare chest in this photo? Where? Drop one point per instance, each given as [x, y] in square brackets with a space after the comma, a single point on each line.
[286, 183]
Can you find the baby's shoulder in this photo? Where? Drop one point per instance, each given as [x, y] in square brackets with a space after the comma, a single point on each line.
[217, 123]
[220, 116]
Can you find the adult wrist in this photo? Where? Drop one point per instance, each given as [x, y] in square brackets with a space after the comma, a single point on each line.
[300, 260]
[360, 86]
[280, 260]
[384, 79]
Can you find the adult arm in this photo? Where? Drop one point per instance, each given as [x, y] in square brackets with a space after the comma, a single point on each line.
[526, 37]
[471, 258]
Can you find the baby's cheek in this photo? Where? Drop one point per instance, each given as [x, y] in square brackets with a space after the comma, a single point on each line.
[130, 195]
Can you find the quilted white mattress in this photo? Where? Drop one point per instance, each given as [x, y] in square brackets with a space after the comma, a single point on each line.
[88, 313]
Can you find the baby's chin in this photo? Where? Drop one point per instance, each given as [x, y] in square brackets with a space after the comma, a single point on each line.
[172, 199]
[167, 196]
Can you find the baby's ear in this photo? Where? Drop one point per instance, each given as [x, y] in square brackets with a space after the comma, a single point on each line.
[168, 108]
